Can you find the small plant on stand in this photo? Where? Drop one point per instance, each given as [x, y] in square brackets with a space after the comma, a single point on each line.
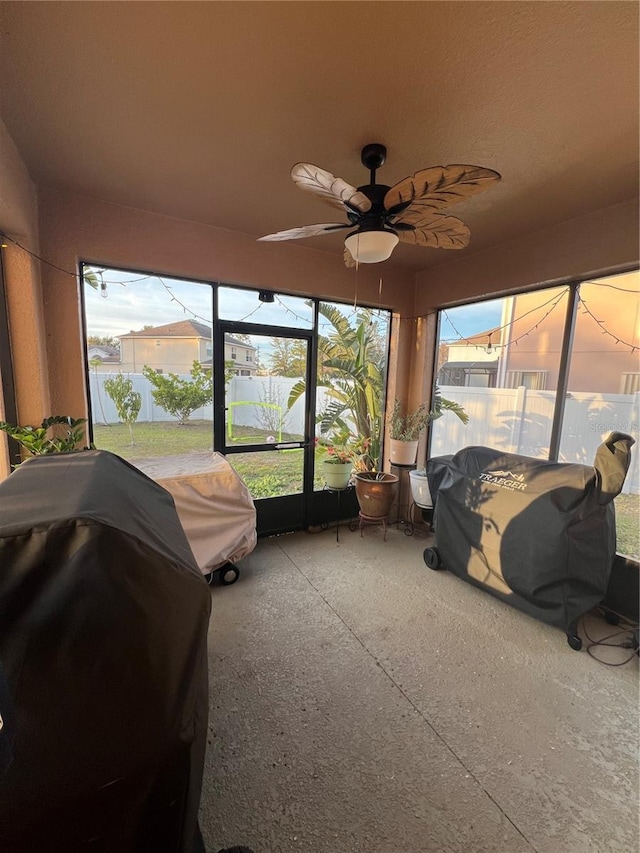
[338, 461]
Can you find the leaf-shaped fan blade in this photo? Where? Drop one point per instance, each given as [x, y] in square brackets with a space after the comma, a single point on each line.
[337, 192]
[305, 231]
[349, 261]
[437, 187]
[438, 232]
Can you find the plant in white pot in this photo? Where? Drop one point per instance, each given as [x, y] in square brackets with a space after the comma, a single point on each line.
[405, 429]
[404, 433]
[418, 479]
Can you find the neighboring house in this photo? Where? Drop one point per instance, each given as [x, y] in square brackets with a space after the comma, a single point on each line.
[172, 348]
[103, 354]
[601, 356]
[472, 362]
[598, 362]
[242, 355]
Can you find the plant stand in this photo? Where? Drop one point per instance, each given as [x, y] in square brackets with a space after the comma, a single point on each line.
[339, 492]
[369, 519]
[404, 518]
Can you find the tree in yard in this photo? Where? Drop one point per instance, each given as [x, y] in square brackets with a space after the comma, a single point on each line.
[103, 341]
[127, 401]
[179, 397]
[288, 357]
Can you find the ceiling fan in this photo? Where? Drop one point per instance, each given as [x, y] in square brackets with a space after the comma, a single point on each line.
[382, 215]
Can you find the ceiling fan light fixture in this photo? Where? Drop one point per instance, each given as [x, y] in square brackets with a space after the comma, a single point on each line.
[371, 247]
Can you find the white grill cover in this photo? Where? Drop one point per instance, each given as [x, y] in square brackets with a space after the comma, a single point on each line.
[216, 511]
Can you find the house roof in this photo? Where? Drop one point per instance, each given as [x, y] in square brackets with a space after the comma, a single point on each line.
[481, 338]
[229, 339]
[181, 329]
[107, 351]
[544, 93]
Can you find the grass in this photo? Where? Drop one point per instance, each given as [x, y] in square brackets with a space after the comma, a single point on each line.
[268, 474]
[628, 525]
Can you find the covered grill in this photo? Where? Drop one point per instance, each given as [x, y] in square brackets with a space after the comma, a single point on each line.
[539, 535]
[103, 642]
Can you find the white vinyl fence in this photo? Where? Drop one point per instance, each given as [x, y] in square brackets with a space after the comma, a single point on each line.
[519, 421]
[272, 390]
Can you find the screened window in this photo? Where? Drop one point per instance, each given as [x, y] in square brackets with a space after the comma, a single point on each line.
[148, 326]
[597, 392]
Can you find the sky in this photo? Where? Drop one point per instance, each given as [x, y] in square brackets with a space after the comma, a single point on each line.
[467, 320]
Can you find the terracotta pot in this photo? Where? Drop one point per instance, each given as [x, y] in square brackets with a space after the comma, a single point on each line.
[402, 452]
[337, 474]
[375, 492]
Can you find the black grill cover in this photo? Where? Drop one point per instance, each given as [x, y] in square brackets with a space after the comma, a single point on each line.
[103, 628]
[539, 535]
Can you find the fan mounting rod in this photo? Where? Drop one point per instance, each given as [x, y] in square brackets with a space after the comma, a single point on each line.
[373, 156]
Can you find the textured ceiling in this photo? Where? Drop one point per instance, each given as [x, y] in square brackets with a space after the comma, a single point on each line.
[199, 110]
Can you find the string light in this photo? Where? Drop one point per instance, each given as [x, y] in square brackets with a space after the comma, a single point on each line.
[605, 331]
[175, 299]
[555, 299]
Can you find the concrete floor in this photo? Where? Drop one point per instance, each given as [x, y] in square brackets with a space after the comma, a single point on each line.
[361, 702]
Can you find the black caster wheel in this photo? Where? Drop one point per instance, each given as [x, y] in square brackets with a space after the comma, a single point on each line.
[575, 642]
[432, 558]
[227, 575]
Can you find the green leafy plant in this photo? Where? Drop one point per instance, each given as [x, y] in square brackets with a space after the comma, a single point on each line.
[58, 434]
[337, 450]
[407, 427]
[127, 401]
[441, 405]
[350, 367]
[179, 397]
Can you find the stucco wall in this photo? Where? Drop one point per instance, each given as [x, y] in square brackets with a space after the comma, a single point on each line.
[19, 220]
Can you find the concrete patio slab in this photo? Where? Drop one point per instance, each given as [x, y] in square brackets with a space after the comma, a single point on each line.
[360, 702]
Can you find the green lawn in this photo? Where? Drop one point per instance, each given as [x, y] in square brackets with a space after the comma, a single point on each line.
[628, 525]
[165, 438]
[268, 474]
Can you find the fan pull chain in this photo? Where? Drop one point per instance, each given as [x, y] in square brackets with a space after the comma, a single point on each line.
[355, 296]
